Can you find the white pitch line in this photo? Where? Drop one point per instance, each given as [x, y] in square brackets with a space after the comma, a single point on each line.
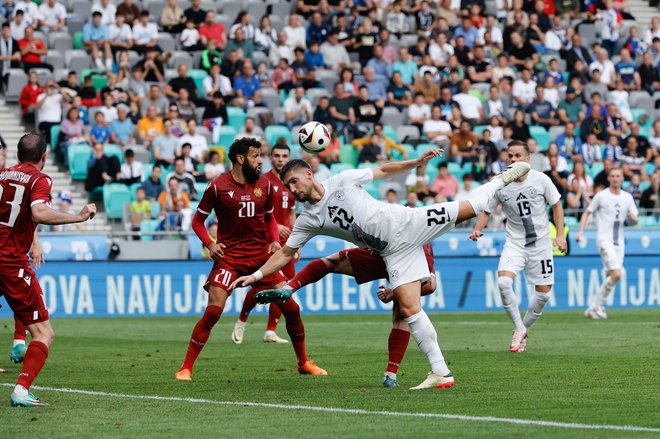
[567, 425]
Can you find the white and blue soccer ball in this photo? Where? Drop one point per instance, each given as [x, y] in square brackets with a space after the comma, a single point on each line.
[314, 137]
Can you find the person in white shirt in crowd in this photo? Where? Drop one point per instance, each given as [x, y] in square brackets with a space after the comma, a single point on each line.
[107, 9]
[610, 208]
[190, 37]
[440, 50]
[243, 21]
[108, 109]
[436, 129]
[52, 16]
[198, 143]
[605, 66]
[216, 81]
[145, 33]
[213, 169]
[502, 69]
[121, 35]
[419, 111]
[496, 36]
[281, 50]
[49, 108]
[295, 33]
[30, 11]
[297, 109]
[524, 89]
[334, 53]
[131, 171]
[18, 25]
[469, 104]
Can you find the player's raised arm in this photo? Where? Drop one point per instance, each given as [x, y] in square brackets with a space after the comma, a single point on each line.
[43, 214]
[558, 217]
[482, 221]
[282, 257]
[393, 169]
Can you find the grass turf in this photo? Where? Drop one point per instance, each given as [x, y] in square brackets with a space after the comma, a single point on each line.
[575, 370]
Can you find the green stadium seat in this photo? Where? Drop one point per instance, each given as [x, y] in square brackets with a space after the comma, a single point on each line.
[336, 168]
[368, 165]
[227, 136]
[201, 187]
[372, 189]
[54, 135]
[571, 222]
[147, 170]
[541, 135]
[115, 195]
[198, 76]
[78, 40]
[134, 187]
[78, 155]
[412, 152]
[650, 168]
[423, 147]
[114, 150]
[148, 226]
[348, 154]
[432, 173]
[155, 209]
[648, 221]
[236, 117]
[479, 130]
[274, 132]
[390, 132]
[595, 169]
[454, 167]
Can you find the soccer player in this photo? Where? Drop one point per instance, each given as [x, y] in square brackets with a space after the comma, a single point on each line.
[341, 207]
[247, 234]
[366, 266]
[610, 207]
[283, 205]
[528, 244]
[24, 203]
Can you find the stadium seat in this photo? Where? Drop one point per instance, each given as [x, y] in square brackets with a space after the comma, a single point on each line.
[373, 190]
[165, 39]
[148, 226]
[81, 8]
[336, 168]
[454, 168]
[272, 98]
[114, 150]
[78, 155]
[236, 117]
[201, 187]
[54, 134]
[115, 195]
[134, 187]
[556, 132]
[273, 132]
[281, 9]
[55, 59]
[17, 80]
[433, 163]
[348, 154]
[180, 57]
[431, 172]
[77, 60]
[60, 42]
[232, 8]
[257, 10]
[571, 222]
[595, 169]
[479, 130]
[392, 116]
[78, 41]
[368, 165]
[387, 185]
[155, 209]
[155, 9]
[198, 76]
[541, 135]
[648, 221]
[388, 131]
[412, 152]
[650, 168]
[227, 136]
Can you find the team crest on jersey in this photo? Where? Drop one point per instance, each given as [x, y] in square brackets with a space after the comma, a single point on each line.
[258, 192]
[394, 275]
[340, 195]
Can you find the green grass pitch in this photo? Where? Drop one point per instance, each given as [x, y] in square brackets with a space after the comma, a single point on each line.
[575, 371]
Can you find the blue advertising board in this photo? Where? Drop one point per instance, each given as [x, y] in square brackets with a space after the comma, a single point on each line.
[74, 247]
[107, 289]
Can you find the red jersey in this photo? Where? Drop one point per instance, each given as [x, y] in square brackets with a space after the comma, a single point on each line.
[283, 200]
[21, 187]
[428, 252]
[29, 96]
[241, 210]
[31, 57]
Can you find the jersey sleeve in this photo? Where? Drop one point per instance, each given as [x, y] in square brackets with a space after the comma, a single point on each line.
[550, 192]
[40, 191]
[633, 207]
[358, 177]
[595, 203]
[302, 232]
[208, 201]
[492, 204]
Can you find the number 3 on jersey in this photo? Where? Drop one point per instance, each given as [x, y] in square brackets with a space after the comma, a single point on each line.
[246, 210]
[15, 204]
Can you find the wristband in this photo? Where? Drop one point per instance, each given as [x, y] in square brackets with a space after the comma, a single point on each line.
[258, 275]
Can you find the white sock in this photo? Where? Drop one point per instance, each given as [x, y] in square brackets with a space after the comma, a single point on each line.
[240, 323]
[536, 308]
[20, 390]
[481, 196]
[604, 291]
[99, 63]
[424, 334]
[390, 375]
[108, 64]
[270, 333]
[19, 342]
[510, 301]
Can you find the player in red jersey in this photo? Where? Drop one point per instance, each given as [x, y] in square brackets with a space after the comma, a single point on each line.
[243, 203]
[284, 204]
[24, 203]
[365, 266]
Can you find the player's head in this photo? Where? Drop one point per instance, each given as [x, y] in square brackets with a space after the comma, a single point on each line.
[518, 151]
[280, 155]
[32, 149]
[297, 175]
[245, 156]
[615, 177]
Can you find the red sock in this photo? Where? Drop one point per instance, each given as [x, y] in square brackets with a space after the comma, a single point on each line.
[200, 335]
[274, 315]
[20, 331]
[295, 328]
[35, 358]
[248, 305]
[313, 272]
[397, 344]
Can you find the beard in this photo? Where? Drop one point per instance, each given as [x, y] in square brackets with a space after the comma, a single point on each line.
[251, 174]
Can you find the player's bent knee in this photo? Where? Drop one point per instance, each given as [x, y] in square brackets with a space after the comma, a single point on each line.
[543, 289]
[504, 283]
[615, 275]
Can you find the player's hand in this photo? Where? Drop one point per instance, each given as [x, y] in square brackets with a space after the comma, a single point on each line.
[385, 294]
[274, 247]
[428, 155]
[36, 255]
[560, 241]
[578, 237]
[215, 250]
[284, 231]
[87, 212]
[475, 235]
[243, 281]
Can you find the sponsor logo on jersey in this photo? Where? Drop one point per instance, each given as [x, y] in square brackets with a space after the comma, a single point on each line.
[258, 192]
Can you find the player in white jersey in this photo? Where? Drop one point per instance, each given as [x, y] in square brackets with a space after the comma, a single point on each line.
[610, 207]
[528, 244]
[341, 207]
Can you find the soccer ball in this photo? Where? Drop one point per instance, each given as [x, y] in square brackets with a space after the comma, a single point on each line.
[314, 137]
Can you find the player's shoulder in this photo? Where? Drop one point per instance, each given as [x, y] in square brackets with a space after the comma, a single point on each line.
[537, 176]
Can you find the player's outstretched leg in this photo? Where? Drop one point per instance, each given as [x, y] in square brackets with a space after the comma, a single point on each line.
[35, 358]
[596, 309]
[270, 336]
[296, 331]
[510, 304]
[397, 344]
[313, 272]
[241, 323]
[198, 339]
[19, 348]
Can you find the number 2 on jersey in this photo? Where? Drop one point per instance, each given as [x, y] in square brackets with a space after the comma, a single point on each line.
[15, 204]
[246, 210]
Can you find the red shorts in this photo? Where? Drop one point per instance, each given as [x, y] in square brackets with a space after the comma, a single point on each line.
[23, 293]
[224, 273]
[367, 265]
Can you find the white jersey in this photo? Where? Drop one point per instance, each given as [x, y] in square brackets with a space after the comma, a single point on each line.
[525, 208]
[348, 212]
[610, 212]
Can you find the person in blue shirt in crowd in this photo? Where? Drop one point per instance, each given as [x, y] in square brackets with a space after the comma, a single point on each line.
[96, 40]
[247, 86]
[627, 70]
[122, 129]
[314, 57]
[317, 30]
[100, 132]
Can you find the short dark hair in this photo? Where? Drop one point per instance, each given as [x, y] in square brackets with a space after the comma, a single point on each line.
[5, 24]
[186, 145]
[519, 143]
[129, 153]
[241, 147]
[293, 165]
[31, 147]
[442, 165]
[280, 145]
[96, 14]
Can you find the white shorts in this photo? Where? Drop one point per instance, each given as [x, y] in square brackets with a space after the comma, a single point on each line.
[537, 261]
[612, 255]
[404, 256]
